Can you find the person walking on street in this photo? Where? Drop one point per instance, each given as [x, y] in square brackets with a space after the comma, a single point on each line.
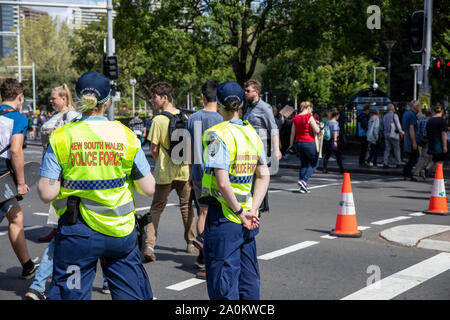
[137, 126]
[392, 134]
[168, 175]
[260, 115]
[62, 103]
[342, 122]
[303, 133]
[332, 145]
[233, 154]
[411, 139]
[13, 129]
[363, 125]
[437, 137]
[35, 120]
[199, 122]
[88, 173]
[425, 158]
[147, 126]
[373, 137]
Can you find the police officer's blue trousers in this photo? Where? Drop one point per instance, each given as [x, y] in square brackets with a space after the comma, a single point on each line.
[77, 251]
[232, 271]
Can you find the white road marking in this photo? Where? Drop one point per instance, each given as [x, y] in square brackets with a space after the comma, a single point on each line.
[362, 228]
[148, 208]
[313, 187]
[25, 229]
[417, 214]
[295, 247]
[404, 280]
[185, 284]
[32, 228]
[327, 236]
[40, 213]
[382, 222]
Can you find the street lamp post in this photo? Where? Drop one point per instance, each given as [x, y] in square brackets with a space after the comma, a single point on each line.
[132, 83]
[295, 84]
[375, 73]
[19, 63]
[110, 43]
[389, 44]
[33, 79]
[415, 67]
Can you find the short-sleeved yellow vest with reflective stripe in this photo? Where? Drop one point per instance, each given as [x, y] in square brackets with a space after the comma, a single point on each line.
[96, 158]
[244, 147]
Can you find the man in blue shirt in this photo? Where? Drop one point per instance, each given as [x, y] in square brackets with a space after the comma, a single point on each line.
[13, 129]
[410, 142]
[198, 123]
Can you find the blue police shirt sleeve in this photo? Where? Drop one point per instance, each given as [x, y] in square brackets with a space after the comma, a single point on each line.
[141, 167]
[262, 157]
[217, 155]
[50, 167]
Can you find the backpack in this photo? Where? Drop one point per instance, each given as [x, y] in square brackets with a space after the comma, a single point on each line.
[327, 132]
[422, 128]
[3, 112]
[176, 121]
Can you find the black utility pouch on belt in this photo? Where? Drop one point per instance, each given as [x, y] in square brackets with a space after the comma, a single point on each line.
[73, 209]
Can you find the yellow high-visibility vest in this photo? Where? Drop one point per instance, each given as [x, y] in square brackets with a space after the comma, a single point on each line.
[244, 147]
[96, 158]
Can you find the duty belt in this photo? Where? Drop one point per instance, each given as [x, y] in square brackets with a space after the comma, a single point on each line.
[242, 198]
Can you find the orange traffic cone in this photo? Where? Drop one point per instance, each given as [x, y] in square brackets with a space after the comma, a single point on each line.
[438, 199]
[346, 225]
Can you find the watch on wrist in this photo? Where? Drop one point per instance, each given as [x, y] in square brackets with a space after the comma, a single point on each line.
[239, 211]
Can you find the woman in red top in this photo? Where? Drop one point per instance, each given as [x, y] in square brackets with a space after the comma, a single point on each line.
[303, 130]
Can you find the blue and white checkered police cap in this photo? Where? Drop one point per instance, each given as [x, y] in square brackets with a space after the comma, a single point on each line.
[95, 83]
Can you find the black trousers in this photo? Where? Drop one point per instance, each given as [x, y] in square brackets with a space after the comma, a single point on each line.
[328, 152]
[362, 154]
[413, 156]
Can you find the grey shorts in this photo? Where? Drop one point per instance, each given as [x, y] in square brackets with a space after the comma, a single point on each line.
[197, 186]
[6, 206]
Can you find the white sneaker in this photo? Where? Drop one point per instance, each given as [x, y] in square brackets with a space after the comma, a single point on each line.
[303, 186]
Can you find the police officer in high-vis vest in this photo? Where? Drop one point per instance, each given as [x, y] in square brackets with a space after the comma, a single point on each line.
[233, 154]
[88, 174]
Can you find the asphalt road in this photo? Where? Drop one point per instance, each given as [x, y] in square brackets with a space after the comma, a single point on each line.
[311, 265]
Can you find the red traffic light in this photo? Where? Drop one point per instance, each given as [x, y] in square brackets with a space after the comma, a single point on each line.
[438, 64]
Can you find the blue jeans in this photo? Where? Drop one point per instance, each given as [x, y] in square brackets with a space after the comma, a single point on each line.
[45, 268]
[309, 159]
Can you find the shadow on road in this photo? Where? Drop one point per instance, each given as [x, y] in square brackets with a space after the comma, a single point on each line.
[11, 281]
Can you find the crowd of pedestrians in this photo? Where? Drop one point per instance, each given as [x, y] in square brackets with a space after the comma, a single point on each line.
[224, 172]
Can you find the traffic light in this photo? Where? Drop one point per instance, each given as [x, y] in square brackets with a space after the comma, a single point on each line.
[416, 31]
[437, 68]
[110, 67]
[406, 26]
[447, 70]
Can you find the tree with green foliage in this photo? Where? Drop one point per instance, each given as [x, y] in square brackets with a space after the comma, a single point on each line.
[47, 44]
